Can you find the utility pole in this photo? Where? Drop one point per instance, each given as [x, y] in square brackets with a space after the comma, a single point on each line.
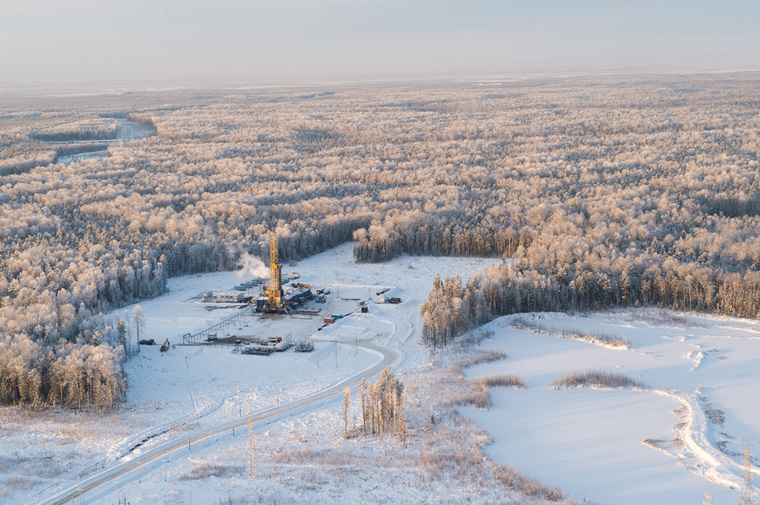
[122, 496]
[335, 344]
[251, 446]
[748, 494]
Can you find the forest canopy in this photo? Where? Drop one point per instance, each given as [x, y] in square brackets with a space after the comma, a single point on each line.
[603, 192]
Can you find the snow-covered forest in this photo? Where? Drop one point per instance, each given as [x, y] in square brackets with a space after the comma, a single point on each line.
[605, 192]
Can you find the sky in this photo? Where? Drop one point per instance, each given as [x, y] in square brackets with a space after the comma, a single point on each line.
[259, 42]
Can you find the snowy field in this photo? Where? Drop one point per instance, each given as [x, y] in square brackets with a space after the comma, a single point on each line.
[681, 437]
[178, 394]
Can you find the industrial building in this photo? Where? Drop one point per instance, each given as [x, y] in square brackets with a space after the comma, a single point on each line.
[244, 286]
[297, 296]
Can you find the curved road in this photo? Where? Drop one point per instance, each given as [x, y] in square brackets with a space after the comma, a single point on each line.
[390, 358]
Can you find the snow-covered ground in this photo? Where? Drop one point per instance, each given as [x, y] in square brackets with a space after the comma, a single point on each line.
[189, 389]
[671, 443]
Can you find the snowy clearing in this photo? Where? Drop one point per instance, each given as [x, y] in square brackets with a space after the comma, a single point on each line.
[682, 437]
[175, 395]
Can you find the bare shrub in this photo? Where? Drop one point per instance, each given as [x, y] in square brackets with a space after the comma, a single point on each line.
[481, 356]
[474, 338]
[477, 392]
[657, 443]
[716, 416]
[662, 317]
[597, 379]
[244, 500]
[20, 482]
[309, 456]
[512, 477]
[457, 390]
[595, 337]
[206, 470]
[501, 380]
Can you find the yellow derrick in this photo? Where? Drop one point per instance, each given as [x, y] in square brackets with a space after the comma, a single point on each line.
[275, 281]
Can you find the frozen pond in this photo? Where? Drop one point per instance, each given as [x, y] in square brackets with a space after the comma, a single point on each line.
[681, 437]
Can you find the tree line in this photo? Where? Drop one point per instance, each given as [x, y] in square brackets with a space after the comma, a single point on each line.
[82, 377]
[453, 307]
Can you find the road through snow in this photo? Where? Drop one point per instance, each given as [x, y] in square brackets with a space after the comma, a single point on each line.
[113, 454]
[111, 475]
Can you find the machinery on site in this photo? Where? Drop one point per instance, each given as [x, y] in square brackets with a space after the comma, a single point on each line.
[165, 346]
[265, 347]
[276, 300]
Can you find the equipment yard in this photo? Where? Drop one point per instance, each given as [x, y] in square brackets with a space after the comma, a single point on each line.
[185, 402]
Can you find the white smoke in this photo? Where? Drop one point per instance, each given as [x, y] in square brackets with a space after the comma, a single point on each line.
[252, 266]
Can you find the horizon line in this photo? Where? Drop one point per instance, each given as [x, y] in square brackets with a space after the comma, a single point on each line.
[71, 89]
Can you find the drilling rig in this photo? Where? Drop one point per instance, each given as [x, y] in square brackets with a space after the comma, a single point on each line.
[276, 301]
[275, 275]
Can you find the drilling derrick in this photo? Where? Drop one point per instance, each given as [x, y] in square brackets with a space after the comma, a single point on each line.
[275, 280]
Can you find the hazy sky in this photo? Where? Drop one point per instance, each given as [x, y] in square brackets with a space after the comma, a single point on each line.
[258, 41]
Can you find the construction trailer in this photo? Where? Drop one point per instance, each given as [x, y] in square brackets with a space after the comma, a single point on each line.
[244, 286]
[230, 297]
[267, 346]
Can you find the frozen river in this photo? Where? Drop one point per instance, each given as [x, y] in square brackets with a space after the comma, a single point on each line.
[126, 131]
